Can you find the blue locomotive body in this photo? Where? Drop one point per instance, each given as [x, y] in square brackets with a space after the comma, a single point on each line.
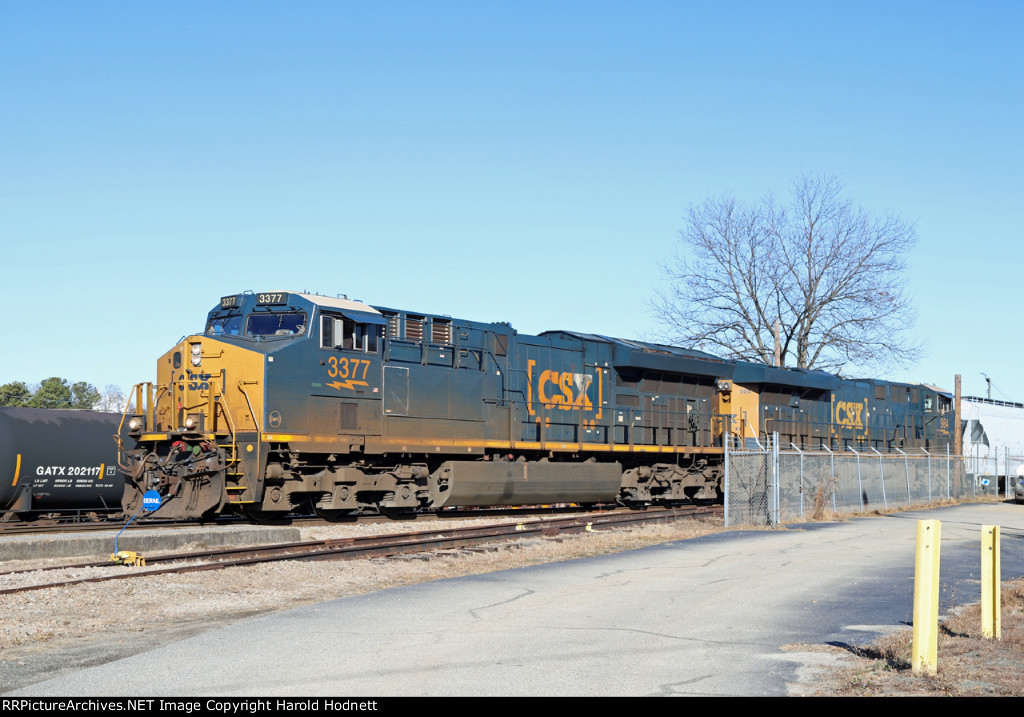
[289, 399]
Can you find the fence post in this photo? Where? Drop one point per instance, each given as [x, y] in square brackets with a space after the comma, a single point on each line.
[881, 474]
[929, 474]
[974, 483]
[860, 485]
[725, 462]
[775, 479]
[947, 471]
[906, 468]
[832, 461]
[801, 453]
[1006, 470]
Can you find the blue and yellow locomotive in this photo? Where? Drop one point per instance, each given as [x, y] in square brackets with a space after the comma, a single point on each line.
[291, 401]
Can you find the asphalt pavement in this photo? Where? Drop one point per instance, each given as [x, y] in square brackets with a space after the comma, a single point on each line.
[718, 615]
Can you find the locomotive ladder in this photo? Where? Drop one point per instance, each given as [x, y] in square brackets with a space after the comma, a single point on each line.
[236, 485]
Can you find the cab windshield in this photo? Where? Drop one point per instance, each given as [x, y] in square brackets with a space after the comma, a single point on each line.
[276, 324]
[226, 325]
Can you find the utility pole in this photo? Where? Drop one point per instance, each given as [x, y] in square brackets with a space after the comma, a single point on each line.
[778, 344]
[958, 440]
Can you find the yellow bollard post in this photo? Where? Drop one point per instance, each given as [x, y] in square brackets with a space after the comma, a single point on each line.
[926, 597]
[991, 583]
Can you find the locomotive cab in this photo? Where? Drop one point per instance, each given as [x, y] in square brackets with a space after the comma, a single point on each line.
[207, 430]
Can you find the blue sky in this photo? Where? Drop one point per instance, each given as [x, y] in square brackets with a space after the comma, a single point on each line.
[528, 162]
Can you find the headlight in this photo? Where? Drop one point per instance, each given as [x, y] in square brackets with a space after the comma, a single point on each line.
[135, 423]
[197, 357]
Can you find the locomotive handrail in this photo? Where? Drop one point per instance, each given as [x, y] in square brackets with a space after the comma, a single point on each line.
[241, 387]
[869, 436]
[255, 421]
[227, 417]
[697, 423]
[139, 408]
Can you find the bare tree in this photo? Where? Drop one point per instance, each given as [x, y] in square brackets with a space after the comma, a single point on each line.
[112, 399]
[829, 272]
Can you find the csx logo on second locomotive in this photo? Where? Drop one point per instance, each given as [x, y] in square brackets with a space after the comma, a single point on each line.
[196, 381]
[564, 389]
[849, 413]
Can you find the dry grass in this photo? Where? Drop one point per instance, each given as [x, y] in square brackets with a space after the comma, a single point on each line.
[968, 664]
[821, 509]
[821, 499]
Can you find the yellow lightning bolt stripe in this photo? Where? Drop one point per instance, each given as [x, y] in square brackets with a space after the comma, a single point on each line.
[350, 384]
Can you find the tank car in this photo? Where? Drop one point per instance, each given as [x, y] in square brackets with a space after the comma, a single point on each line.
[58, 461]
[290, 399]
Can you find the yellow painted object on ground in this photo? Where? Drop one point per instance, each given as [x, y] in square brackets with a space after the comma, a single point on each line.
[991, 578]
[926, 597]
[128, 557]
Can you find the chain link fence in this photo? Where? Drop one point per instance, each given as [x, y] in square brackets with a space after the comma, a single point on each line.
[772, 486]
[1015, 475]
[750, 495]
[999, 472]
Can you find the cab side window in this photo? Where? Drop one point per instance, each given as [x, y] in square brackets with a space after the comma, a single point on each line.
[341, 332]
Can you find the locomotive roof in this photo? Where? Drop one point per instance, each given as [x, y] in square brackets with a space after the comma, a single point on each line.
[639, 345]
[642, 354]
[749, 372]
[339, 303]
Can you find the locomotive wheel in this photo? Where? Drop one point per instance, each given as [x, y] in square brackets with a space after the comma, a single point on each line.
[337, 515]
[398, 513]
[334, 516]
[263, 517]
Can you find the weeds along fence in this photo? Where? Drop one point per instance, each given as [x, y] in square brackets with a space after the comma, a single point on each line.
[772, 484]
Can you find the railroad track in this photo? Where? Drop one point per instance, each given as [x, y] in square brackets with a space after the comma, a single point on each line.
[363, 546]
[52, 526]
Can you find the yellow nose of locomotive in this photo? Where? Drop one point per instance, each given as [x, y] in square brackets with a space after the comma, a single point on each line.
[206, 401]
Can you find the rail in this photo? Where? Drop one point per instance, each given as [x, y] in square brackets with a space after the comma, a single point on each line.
[366, 546]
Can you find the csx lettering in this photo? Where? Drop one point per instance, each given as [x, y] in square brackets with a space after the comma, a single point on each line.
[197, 381]
[565, 390]
[848, 414]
